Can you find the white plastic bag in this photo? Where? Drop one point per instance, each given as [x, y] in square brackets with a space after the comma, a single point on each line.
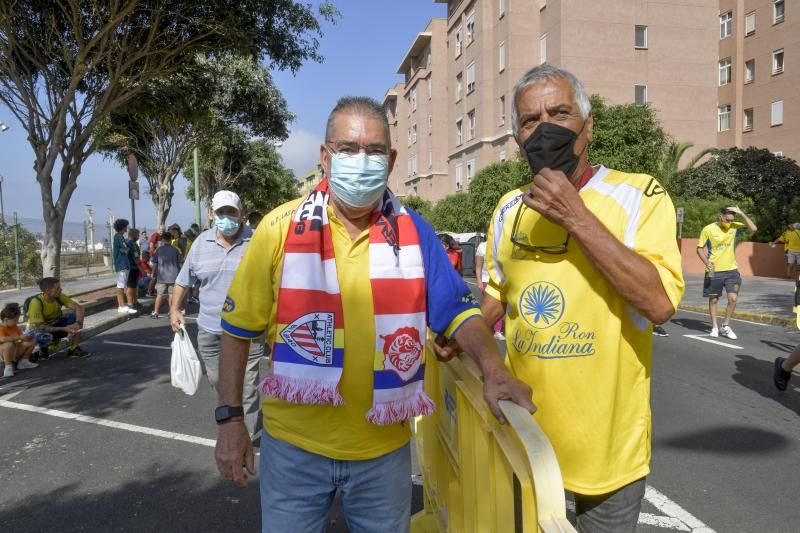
[186, 370]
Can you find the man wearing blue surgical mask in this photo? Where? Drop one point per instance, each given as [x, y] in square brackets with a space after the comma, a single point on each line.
[347, 282]
[211, 262]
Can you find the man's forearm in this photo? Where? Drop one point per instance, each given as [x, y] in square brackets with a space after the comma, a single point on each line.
[177, 298]
[475, 339]
[750, 225]
[631, 275]
[232, 363]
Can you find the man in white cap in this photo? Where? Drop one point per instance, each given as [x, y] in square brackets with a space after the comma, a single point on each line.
[212, 262]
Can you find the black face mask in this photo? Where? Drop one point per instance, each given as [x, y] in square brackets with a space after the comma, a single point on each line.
[553, 146]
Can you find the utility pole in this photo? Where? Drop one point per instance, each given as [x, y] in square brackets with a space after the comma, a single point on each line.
[2, 214]
[90, 216]
[197, 189]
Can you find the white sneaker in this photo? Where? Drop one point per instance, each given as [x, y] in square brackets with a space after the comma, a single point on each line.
[132, 310]
[726, 331]
[123, 309]
[25, 364]
[499, 336]
[714, 332]
[8, 372]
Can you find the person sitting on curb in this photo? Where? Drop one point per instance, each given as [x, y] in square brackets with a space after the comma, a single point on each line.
[48, 324]
[14, 345]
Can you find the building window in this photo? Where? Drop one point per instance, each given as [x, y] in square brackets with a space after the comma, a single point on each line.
[724, 118]
[470, 170]
[459, 132]
[414, 133]
[501, 57]
[409, 136]
[459, 177]
[501, 156]
[542, 4]
[640, 94]
[458, 41]
[471, 77]
[471, 124]
[777, 113]
[778, 154]
[470, 28]
[501, 8]
[408, 168]
[750, 23]
[502, 110]
[414, 168]
[414, 99]
[777, 61]
[543, 49]
[725, 71]
[459, 86]
[750, 71]
[725, 25]
[777, 11]
[430, 87]
[748, 119]
[430, 123]
[430, 158]
[640, 39]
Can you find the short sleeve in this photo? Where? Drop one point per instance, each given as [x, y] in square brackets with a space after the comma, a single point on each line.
[449, 300]
[65, 300]
[481, 250]
[655, 240]
[703, 240]
[35, 312]
[187, 277]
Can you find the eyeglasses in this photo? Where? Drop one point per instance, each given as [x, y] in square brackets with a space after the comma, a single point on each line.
[548, 249]
[350, 148]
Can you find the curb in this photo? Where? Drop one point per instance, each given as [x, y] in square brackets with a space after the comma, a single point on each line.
[762, 318]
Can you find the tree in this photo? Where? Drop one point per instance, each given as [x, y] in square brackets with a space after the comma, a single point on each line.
[669, 166]
[451, 213]
[489, 185]
[627, 137]
[30, 267]
[65, 66]
[423, 207]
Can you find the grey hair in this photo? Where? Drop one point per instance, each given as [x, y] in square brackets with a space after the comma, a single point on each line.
[363, 105]
[542, 74]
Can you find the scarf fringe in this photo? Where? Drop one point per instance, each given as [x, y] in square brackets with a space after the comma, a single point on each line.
[384, 413]
[302, 391]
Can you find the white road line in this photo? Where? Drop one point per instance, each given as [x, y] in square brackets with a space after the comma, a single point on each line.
[109, 423]
[734, 319]
[675, 511]
[666, 522]
[712, 341]
[138, 345]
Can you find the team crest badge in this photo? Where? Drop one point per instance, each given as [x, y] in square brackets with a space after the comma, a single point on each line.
[402, 352]
[311, 337]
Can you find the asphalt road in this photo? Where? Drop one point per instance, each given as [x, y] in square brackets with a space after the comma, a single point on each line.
[726, 444]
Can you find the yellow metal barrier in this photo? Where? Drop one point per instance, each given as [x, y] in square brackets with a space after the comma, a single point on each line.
[480, 476]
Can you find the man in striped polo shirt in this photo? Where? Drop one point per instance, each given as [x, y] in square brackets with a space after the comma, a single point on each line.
[212, 261]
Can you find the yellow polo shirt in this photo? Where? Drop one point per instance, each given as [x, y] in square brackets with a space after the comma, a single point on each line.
[720, 245]
[791, 240]
[337, 432]
[583, 349]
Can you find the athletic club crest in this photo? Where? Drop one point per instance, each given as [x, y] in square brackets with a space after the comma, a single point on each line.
[403, 352]
[311, 337]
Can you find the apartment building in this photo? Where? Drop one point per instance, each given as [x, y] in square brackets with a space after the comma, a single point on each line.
[759, 75]
[309, 180]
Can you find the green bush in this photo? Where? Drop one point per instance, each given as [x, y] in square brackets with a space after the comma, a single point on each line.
[420, 205]
[30, 260]
[451, 213]
[700, 212]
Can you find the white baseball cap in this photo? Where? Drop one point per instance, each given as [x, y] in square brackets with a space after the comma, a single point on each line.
[226, 198]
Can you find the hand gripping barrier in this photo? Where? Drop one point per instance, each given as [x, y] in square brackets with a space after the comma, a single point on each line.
[480, 476]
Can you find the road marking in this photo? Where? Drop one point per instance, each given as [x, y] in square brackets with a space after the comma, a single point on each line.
[666, 522]
[138, 345]
[712, 341]
[680, 518]
[734, 319]
[109, 423]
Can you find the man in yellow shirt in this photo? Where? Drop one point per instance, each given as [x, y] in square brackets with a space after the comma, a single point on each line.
[346, 283]
[716, 248]
[584, 261]
[791, 244]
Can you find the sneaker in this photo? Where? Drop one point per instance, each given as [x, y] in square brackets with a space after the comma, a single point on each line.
[8, 372]
[78, 353]
[658, 331]
[779, 375]
[154, 315]
[131, 310]
[499, 336]
[44, 352]
[25, 364]
[123, 309]
[714, 332]
[726, 331]
[192, 300]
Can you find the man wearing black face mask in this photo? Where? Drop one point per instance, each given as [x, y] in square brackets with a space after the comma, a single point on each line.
[584, 260]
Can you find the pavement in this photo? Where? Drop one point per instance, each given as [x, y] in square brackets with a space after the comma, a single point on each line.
[70, 287]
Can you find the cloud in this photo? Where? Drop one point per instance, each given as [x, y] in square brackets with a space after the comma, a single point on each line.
[300, 152]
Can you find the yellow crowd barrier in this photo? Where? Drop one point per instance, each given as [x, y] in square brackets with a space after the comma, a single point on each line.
[480, 476]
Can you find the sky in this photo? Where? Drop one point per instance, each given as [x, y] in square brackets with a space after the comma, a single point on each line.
[362, 52]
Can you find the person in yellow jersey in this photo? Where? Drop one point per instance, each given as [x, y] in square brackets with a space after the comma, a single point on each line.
[716, 249]
[791, 244]
[583, 261]
[346, 282]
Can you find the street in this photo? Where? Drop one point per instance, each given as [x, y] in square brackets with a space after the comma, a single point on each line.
[726, 443]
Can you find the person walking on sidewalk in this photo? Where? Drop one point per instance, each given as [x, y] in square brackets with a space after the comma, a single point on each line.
[166, 265]
[120, 249]
[132, 290]
[15, 346]
[716, 248]
[482, 274]
[47, 323]
[791, 244]
[212, 261]
[783, 366]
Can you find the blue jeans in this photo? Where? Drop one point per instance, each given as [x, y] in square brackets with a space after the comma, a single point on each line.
[297, 490]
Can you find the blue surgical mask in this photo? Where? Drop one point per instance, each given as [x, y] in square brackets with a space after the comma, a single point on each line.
[226, 225]
[358, 180]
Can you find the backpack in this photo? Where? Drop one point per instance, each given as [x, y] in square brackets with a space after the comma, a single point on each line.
[27, 305]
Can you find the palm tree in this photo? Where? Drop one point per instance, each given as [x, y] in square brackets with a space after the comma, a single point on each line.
[669, 167]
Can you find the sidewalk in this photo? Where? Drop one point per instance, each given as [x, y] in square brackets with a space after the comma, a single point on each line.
[769, 300]
[70, 287]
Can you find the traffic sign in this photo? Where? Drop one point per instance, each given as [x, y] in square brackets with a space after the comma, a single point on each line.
[133, 190]
[680, 214]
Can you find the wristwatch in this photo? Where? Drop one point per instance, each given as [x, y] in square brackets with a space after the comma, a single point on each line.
[223, 413]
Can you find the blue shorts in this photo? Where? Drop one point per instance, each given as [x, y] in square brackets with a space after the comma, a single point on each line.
[46, 338]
